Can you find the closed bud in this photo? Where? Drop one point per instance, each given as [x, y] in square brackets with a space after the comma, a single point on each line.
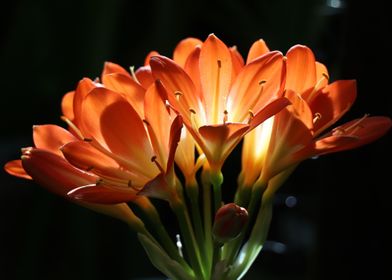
[230, 221]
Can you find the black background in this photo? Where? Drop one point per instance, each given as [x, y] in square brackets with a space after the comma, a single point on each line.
[338, 229]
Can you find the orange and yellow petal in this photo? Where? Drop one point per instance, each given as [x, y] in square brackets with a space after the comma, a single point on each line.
[215, 76]
[257, 49]
[184, 48]
[301, 69]
[51, 137]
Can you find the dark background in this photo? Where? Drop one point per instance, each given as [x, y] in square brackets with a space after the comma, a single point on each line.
[338, 228]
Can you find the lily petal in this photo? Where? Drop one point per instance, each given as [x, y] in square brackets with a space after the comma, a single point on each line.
[301, 69]
[353, 134]
[237, 62]
[84, 156]
[15, 168]
[179, 87]
[128, 88]
[102, 194]
[258, 49]
[83, 88]
[144, 76]
[67, 105]
[333, 102]
[259, 83]
[215, 76]
[54, 172]
[184, 49]
[115, 125]
[221, 140]
[158, 121]
[113, 68]
[51, 137]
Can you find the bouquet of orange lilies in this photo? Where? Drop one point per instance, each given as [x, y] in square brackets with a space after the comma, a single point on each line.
[130, 134]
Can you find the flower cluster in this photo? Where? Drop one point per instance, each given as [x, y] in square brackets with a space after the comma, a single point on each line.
[128, 133]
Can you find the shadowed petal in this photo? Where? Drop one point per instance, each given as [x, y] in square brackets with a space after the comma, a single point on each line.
[54, 172]
[86, 157]
[333, 102]
[15, 168]
[102, 194]
[353, 134]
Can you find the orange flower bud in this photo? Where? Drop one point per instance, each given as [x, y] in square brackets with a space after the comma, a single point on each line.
[229, 222]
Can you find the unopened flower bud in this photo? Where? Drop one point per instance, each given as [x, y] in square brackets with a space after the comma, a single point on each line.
[229, 222]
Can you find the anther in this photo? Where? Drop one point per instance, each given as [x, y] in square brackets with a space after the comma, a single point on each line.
[225, 117]
[219, 63]
[129, 183]
[178, 94]
[192, 111]
[262, 82]
[99, 182]
[325, 75]
[89, 168]
[146, 122]
[85, 139]
[251, 116]
[154, 160]
[316, 118]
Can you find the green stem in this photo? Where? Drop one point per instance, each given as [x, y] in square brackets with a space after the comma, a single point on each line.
[207, 218]
[192, 190]
[189, 237]
[167, 243]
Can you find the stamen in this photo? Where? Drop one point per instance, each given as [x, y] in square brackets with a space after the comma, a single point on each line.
[262, 82]
[192, 111]
[318, 85]
[154, 160]
[73, 126]
[89, 168]
[178, 94]
[251, 116]
[146, 122]
[354, 125]
[87, 140]
[316, 118]
[219, 63]
[225, 116]
[99, 182]
[132, 70]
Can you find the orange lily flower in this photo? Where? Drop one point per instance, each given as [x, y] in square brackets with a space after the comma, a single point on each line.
[127, 137]
[219, 99]
[45, 165]
[315, 106]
